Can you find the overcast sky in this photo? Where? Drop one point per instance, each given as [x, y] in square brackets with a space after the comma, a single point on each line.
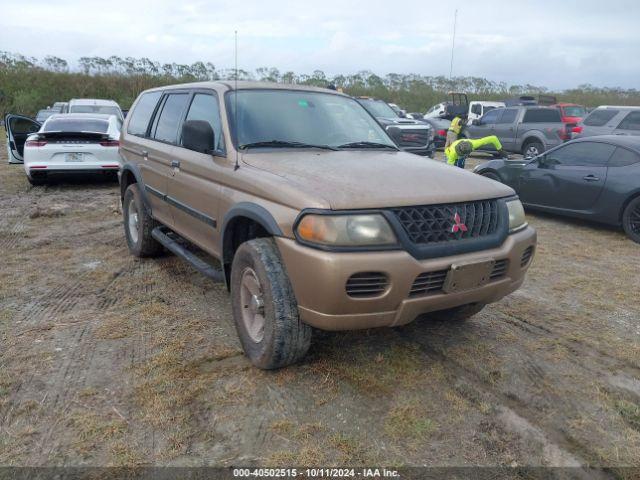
[556, 43]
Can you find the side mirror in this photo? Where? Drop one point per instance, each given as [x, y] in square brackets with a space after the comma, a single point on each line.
[198, 135]
[476, 122]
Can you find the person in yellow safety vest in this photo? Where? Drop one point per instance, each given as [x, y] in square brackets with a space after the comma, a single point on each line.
[454, 129]
[458, 151]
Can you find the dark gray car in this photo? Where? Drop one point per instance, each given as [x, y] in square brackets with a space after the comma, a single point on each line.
[596, 178]
[609, 120]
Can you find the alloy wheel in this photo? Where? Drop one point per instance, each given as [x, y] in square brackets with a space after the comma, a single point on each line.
[252, 299]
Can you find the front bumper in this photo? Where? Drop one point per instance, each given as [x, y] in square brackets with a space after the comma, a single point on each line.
[319, 279]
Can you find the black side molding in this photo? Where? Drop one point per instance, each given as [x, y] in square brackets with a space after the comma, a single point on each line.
[164, 236]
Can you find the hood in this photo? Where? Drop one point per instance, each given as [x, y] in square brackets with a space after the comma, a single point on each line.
[400, 121]
[366, 179]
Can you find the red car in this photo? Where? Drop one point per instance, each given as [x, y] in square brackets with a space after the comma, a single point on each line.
[571, 112]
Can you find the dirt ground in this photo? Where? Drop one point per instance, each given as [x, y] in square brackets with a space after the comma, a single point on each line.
[110, 360]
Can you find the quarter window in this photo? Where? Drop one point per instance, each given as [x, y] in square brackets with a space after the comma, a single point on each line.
[623, 158]
[167, 125]
[141, 115]
[591, 154]
[598, 118]
[630, 122]
[205, 107]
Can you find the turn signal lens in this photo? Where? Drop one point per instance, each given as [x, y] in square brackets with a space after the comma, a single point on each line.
[346, 230]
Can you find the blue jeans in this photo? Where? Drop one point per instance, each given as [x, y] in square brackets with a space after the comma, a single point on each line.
[460, 162]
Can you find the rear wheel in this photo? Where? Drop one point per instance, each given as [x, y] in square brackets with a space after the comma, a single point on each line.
[138, 225]
[532, 148]
[631, 220]
[265, 310]
[457, 314]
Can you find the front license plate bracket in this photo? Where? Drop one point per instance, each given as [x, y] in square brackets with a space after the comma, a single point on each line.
[468, 275]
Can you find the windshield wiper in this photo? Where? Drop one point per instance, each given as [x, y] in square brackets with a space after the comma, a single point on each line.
[367, 145]
[283, 144]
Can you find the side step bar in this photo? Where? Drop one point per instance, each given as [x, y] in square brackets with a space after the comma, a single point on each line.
[160, 234]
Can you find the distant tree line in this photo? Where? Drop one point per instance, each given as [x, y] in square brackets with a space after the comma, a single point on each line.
[28, 84]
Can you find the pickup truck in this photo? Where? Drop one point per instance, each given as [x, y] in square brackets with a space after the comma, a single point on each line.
[530, 130]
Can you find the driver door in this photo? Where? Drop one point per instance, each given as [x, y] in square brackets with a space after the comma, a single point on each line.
[567, 178]
[483, 127]
[17, 129]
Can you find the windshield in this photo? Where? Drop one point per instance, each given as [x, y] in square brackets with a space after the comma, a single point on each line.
[378, 108]
[574, 111]
[109, 110]
[302, 117]
[76, 125]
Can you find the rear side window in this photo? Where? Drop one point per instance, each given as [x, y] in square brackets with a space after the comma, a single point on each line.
[582, 154]
[141, 114]
[623, 158]
[598, 118]
[170, 117]
[542, 115]
[630, 122]
[205, 107]
[508, 115]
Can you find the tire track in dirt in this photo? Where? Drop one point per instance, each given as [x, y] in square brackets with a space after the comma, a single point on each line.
[14, 235]
[558, 438]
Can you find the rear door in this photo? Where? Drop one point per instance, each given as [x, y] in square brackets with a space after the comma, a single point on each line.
[485, 126]
[630, 125]
[505, 128]
[570, 177]
[145, 153]
[194, 188]
[17, 129]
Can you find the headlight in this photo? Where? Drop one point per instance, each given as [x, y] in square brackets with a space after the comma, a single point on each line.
[346, 230]
[517, 220]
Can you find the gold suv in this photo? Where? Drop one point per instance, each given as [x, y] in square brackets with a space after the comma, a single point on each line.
[316, 217]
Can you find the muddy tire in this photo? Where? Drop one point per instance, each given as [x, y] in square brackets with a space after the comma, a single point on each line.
[457, 314]
[265, 310]
[631, 220]
[138, 225]
[532, 148]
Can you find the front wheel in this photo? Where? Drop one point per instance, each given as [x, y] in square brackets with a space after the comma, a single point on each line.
[631, 220]
[264, 306]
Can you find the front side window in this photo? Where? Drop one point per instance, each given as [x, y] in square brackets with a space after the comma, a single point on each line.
[541, 115]
[166, 129]
[205, 107]
[600, 117]
[581, 154]
[141, 115]
[490, 117]
[301, 116]
[630, 122]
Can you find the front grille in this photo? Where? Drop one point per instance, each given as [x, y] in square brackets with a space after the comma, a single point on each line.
[526, 256]
[444, 223]
[499, 269]
[428, 282]
[412, 137]
[366, 284]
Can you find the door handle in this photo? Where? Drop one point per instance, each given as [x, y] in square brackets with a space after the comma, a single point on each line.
[590, 178]
[144, 153]
[175, 164]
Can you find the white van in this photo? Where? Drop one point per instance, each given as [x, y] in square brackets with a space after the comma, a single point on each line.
[478, 108]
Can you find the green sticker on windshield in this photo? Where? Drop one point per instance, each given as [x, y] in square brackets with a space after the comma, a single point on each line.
[303, 103]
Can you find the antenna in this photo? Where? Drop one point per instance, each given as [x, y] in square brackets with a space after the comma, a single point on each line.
[235, 101]
[453, 42]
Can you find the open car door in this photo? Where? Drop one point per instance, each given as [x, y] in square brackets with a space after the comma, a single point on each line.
[18, 128]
